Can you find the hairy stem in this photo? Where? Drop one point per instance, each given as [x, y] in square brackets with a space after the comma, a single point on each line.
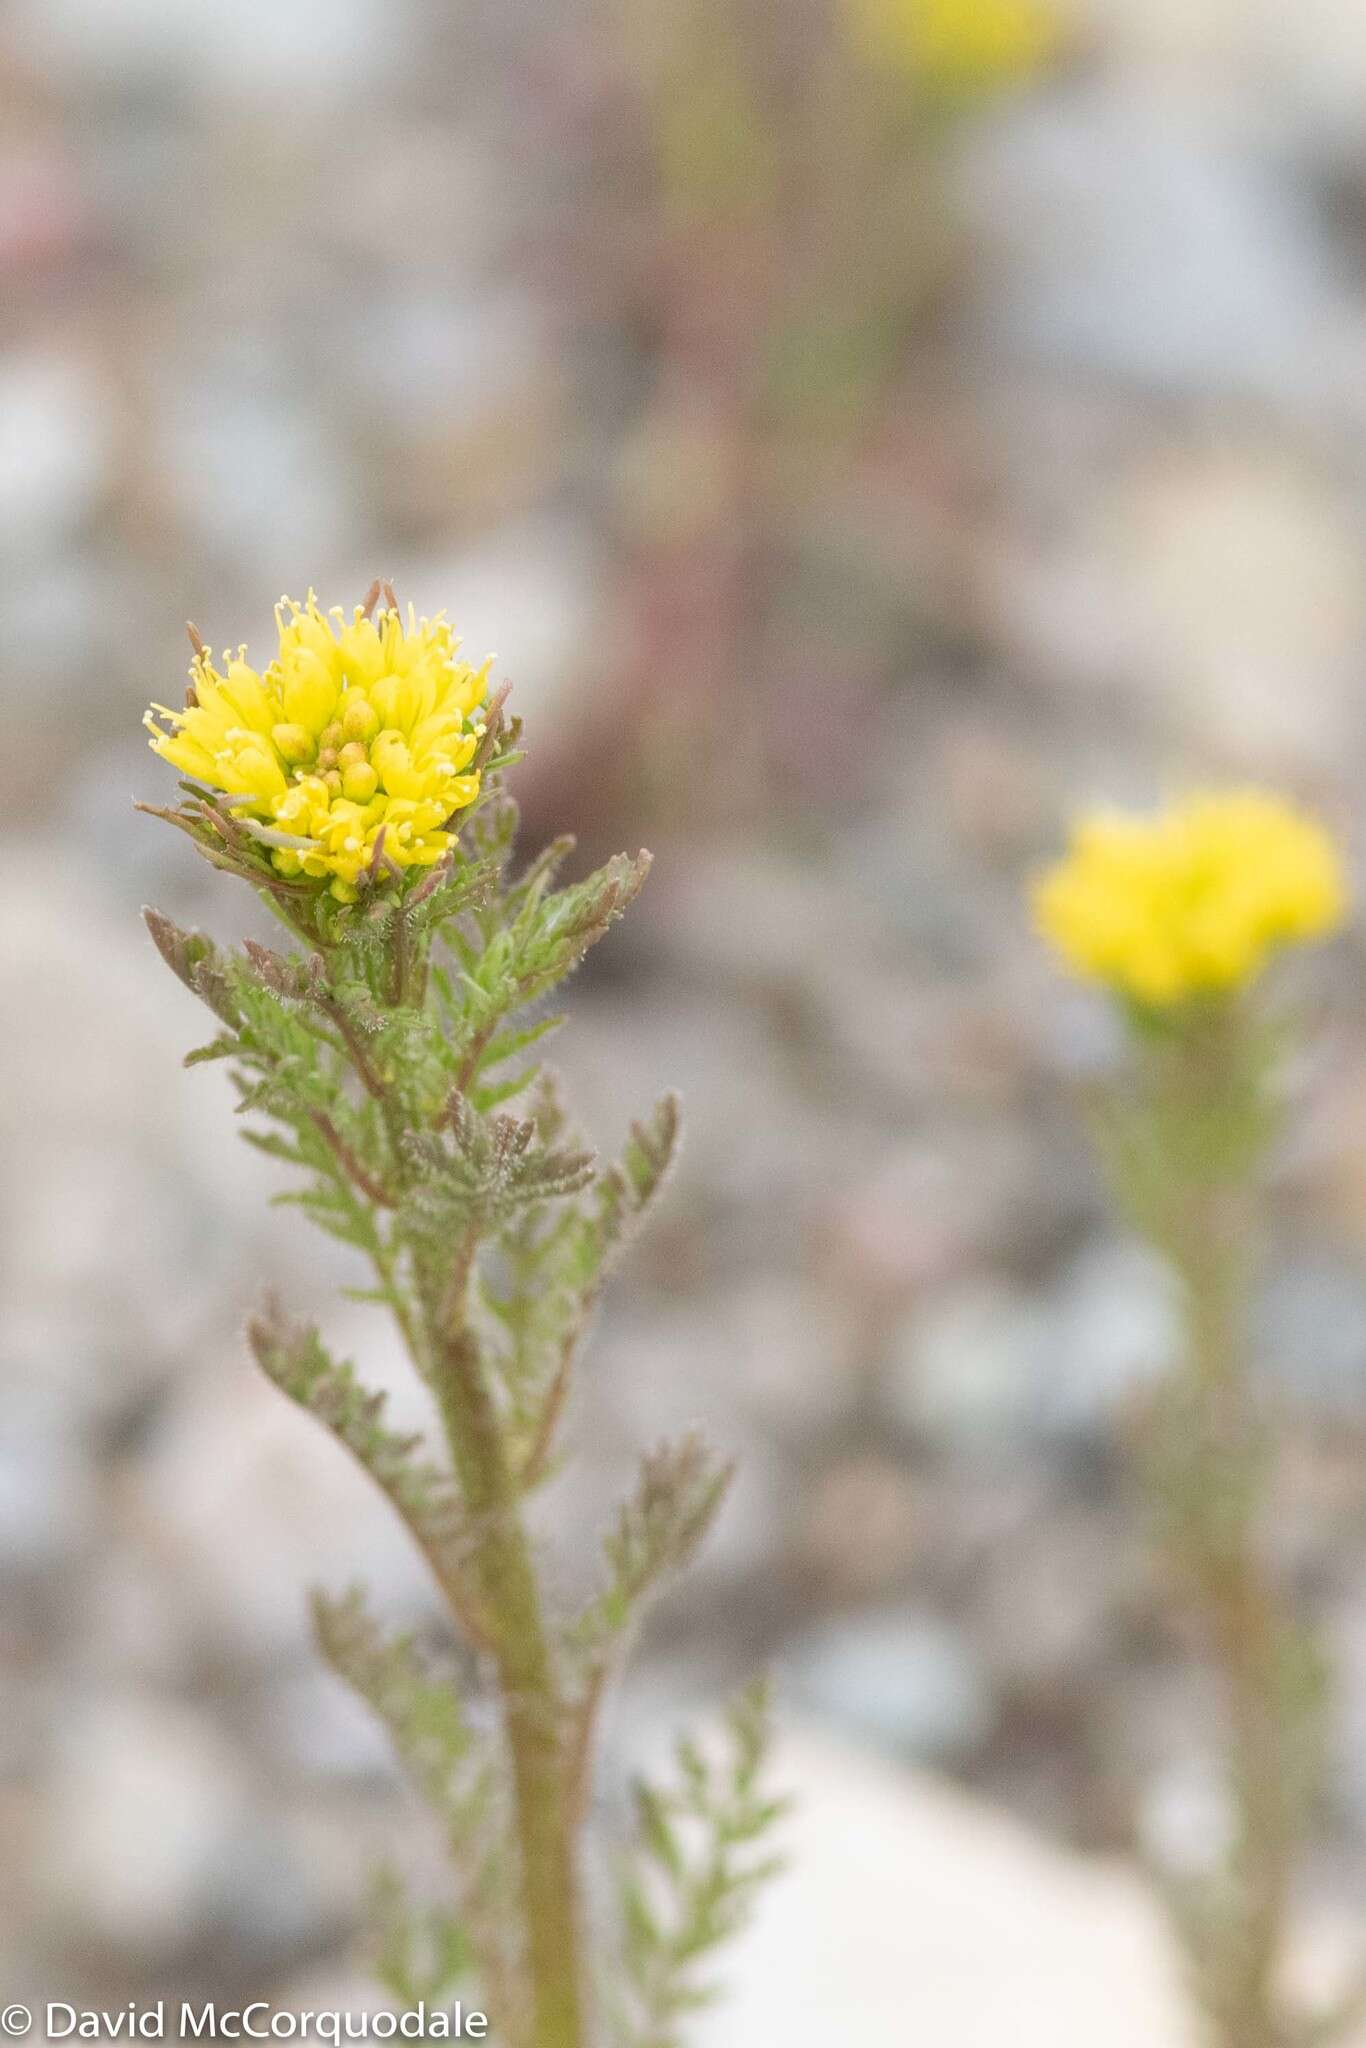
[1240, 1614]
[386, 1265]
[1216, 1540]
[529, 1693]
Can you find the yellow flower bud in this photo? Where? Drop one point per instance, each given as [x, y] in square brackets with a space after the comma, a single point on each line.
[360, 720]
[359, 781]
[292, 743]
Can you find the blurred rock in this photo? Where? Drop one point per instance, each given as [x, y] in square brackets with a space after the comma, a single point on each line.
[1185, 1822]
[856, 1534]
[1246, 602]
[1311, 58]
[782, 1350]
[1311, 1335]
[124, 1174]
[256, 1503]
[967, 1927]
[970, 1367]
[983, 1364]
[1189, 267]
[759, 1149]
[147, 1801]
[1115, 1330]
[46, 1504]
[308, 49]
[54, 453]
[1047, 1606]
[736, 914]
[933, 1213]
[317, 1728]
[898, 1677]
[1347, 1635]
[258, 471]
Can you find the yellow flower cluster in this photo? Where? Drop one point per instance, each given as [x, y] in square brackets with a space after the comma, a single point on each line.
[957, 46]
[357, 737]
[1193, 900]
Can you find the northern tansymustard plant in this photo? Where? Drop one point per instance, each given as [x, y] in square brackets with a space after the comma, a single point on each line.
[388, 1054]
[1177, 916]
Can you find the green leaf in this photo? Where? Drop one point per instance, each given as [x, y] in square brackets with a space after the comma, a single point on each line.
[683, 1890]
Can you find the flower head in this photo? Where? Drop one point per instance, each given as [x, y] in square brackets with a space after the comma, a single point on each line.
[1191, 901]
[355, 742]
[957, 46]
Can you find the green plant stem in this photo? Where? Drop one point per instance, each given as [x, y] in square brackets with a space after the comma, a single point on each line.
[533, 1717]
[529, 1693]
[387, 1272]
[1217, 1544]
[1239, 1613]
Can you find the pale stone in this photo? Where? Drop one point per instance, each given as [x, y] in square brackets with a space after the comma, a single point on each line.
[255, 1503]
[899, 1676]
[54, 450]
[911, 1912]
[1247, 603]
[146, 1801]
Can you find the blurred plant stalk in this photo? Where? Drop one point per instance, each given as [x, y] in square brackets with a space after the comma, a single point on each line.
[1178, 915]
[768, 222]
[375, 1058]
[1186, 1155]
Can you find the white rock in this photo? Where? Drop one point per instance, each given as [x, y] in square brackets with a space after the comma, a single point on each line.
[262, 474]
[897, 1676]
[969, 1366]
[1184, 1820]
[299, 50]
[1187, 265]
[983, 1363]
[54, 449]
[776, 1350]
[1303, 66]
[46, 1493]
[1115, 1330]
[747, 1130]
[121, 1170]
[319, 1727]
[258, 1503]
[1173, 35]
[910, 1912]
[1246, 603]
[146, 1798]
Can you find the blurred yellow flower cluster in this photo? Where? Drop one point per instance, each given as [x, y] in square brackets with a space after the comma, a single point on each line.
[957, 46]
[355, 742]
[1193, 900]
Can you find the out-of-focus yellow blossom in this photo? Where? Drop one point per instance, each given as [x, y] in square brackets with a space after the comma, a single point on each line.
[957, 46]
[354, 730]
[1193, 900]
